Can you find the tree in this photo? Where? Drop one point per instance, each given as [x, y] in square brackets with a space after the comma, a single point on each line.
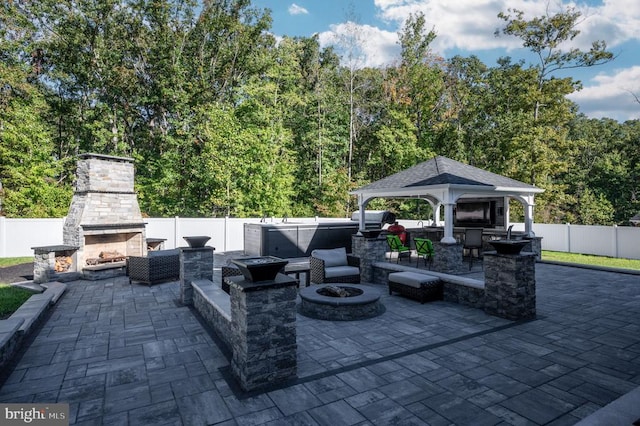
[420, 79]
[545, 37]
[29, 171]
[465, 92]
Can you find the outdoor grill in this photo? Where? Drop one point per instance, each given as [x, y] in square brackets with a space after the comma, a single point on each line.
[374, 219]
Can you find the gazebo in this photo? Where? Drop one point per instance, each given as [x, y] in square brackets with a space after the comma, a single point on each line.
[442, 181]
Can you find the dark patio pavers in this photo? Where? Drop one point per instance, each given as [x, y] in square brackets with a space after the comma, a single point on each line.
[130, 354]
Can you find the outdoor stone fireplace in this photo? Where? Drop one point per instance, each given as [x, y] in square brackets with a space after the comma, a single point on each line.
[104, 220]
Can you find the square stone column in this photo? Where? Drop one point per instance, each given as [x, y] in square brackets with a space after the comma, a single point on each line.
[448, 258]
[369, 250]
[263, 324]
[195, 264]
[510, 285]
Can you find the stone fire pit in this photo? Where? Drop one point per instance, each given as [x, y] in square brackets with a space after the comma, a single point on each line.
[324, 302]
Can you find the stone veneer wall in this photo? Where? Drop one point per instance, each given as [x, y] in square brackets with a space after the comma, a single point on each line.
[103, 194]
[456, 289]
[508, 291]
[10, 339]
[105, 203]
[510, 285]
[369, 250]
[195, 264]
[257, 321]
[464, 295]
[447, 258]
[263, 324]
[535, 246]
[205, 296]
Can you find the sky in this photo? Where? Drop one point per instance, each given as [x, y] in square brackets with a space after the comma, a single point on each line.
[467, 27]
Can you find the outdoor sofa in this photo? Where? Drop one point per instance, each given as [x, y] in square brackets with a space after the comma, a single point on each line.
[156, 267]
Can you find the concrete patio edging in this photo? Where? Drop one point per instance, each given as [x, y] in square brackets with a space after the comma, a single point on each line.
[25, 319]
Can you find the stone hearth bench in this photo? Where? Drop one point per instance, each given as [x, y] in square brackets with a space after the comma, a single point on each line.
[416, 285]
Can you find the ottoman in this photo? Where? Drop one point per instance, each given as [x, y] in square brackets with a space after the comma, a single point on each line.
[418, 286]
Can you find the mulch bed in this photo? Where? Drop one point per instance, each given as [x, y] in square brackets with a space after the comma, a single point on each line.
[16, 273]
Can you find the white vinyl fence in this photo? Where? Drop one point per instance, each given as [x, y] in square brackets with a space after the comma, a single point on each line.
[17, 236]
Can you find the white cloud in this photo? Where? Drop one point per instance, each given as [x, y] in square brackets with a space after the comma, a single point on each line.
[470, 24]
[611, 95]
[294, 9]
[468, 27]
[375, 47]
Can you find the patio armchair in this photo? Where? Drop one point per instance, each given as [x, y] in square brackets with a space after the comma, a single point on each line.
[395, 245]
[156, 267]
[334, 266]
[424, 249]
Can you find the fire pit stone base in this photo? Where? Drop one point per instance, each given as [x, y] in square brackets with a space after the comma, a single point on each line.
[363, 305]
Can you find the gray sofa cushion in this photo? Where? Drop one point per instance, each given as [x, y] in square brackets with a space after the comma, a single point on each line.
[412, 279]
[341, 271]
[158, 253]
[331, 257]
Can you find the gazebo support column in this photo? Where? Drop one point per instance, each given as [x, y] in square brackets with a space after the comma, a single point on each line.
[528, 220]
[448, 224]
[436, 214]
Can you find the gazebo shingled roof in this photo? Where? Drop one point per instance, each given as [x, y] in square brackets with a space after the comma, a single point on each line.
[443, 180]
[444, 171]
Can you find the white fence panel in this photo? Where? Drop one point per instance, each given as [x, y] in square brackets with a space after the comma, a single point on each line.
[628, 242]
[163, 228]
[596, 240]
[554, 237]
[17, 236]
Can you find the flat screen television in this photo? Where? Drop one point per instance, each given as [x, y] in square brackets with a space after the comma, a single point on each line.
[473, 214]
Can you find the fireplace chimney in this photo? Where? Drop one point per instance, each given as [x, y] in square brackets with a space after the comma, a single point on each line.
[104, 219]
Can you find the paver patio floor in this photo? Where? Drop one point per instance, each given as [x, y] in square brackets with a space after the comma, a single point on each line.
[131, 354]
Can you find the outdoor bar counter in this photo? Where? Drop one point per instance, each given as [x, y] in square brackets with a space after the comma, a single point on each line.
[436, 233]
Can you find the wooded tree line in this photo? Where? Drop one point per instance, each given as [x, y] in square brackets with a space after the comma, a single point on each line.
[223, 119]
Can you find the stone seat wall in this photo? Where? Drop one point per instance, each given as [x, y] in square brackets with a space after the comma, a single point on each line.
[456, 289]
[215, 307]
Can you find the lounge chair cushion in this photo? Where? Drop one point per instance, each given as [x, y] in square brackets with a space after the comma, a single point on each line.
[412, 279]
[341, 271]
[331, 257]
[158, 253]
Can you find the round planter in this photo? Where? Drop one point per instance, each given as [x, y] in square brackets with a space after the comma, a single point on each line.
[263, 268]
[509, 246]
[197, 241]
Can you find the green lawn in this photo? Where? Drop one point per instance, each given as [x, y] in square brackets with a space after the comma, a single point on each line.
[10, 261]
[586, 259]
[11, 298]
